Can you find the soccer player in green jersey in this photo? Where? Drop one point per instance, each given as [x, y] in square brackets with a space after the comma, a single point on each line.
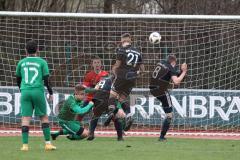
[68, 111]
[32, 74]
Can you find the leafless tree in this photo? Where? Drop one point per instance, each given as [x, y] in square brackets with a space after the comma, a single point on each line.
[217, 7]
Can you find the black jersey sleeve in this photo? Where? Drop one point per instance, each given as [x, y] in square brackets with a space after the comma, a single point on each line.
[120, 54]
[47, 84]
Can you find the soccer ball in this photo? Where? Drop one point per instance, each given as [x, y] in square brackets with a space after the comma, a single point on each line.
[155, 38]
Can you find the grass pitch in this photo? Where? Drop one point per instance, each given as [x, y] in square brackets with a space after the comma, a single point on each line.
[131, 149]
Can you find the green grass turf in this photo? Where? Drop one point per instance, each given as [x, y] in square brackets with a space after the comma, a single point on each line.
[131, 149]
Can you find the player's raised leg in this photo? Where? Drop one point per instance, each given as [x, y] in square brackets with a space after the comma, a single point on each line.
[128, 119]
[112, 108]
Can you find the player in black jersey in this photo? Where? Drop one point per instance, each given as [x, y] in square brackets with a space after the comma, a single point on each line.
[126, 69]
[100, 99]
[163, 73]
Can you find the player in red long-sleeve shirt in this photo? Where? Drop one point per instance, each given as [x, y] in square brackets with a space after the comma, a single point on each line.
[92, 77]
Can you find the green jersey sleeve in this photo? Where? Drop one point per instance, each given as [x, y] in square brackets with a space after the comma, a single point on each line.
[81, 110]
[90, 90]
[45, 70]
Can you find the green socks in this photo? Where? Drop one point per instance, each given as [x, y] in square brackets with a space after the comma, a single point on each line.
[46, 131]
[25, 131]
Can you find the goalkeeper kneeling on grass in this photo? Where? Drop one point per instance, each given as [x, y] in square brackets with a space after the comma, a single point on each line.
[73, 106]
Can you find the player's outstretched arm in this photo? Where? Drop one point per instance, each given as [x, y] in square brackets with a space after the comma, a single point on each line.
[177, 80]
[83, 110]
[90, 90]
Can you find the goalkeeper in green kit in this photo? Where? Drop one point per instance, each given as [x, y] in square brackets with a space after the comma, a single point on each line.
[68, 110]
[32, 74]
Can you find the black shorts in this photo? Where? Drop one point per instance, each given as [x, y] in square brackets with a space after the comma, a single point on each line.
[100, 104]
[158, 87]
[157, 91]
[163, 96]
[124, 81]
[123, 86]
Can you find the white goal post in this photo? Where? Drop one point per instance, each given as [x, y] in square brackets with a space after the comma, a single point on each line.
[207, 102]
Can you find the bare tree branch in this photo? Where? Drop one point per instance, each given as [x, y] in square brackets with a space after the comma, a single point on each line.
[174, 8]
[107, 6]
[51, 6]
[78, 6]
[2, 5]
[72, 4]
[39, 5]
[223, 7]
[161, 5]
